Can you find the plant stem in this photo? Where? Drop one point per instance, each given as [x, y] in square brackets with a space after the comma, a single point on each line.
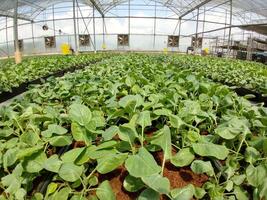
[89, 176]
[142, 137]
[163, 165]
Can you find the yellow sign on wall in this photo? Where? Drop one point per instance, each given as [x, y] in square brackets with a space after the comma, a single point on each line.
[65, 49]
[165, 50]
[104, 46]
[206, 50]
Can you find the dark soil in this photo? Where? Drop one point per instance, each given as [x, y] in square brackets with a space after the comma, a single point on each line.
[78, 144]
[178, 177]
[116, 179]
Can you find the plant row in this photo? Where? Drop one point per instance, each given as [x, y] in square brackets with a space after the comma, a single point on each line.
[135, 128]
[249, 75]
[12, 75]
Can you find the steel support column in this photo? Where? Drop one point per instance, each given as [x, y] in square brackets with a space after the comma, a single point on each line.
[94, 28]
[16, 40]
[155, 24]
[78, 25]
[230, 28]
[103, 36]
[204, 18]
[75, 28]
[224, 31]
[53, 15]
[129, 17]
[33, 42]
[7, 47]
[196, 41]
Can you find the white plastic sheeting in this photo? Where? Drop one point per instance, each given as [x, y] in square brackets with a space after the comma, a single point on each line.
[251, 10]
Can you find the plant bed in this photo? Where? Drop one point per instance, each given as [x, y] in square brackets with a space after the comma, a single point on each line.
[33, 68]
[257, 97]
[4, 96]
[170, 135]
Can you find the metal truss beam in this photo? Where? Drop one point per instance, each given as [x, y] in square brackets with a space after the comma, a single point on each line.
[194, 8]
[226, 27]
[11, 15]
[97, 8]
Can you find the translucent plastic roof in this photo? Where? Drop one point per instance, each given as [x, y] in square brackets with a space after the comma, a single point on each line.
[31, 8]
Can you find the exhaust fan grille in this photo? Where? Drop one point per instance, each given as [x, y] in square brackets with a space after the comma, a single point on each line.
[50, 42]
[123, 40]
[173, 41]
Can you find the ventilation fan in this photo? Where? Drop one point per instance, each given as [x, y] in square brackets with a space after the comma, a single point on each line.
[197, 43]
[50, 42]
[45, 27]
[123, 40]
[173, 41]
[84, 40]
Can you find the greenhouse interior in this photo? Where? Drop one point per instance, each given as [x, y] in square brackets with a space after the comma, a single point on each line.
[133, 99]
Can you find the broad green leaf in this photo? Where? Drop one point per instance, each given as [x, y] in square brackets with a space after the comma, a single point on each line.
[110, 162]
[20, 194]
[53, 164]
[229, 185]
[35, 162]
[149, 194]
[28, 152]
[163, 139]
[72, 155]
[98, 118]
[142, 158]
[201, 167]
[199, 193]
[131, 99]
[11, 182]
[232, 128]
[107, 145]
[83, 157]
[93, 181]
[176, 121]
[263, 189]
[10, 157]
[51, 188]
[185, 193]
[163, 112]
[60, 141]
[30, 138]
[255, 174]
[127, 133]
[209, 149]
[110, 133]
[80, 113]
[157, 183]
[70, 172]
[144, 119]
[132, 184]
[63, 194]
[80, 197]
[251, 155]
[11, 143]
[238, 179]
[54, 129]
[81, 134]
[6, 132]
[104, 192]
[38, 196]
[183, 158]
[240, 194]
